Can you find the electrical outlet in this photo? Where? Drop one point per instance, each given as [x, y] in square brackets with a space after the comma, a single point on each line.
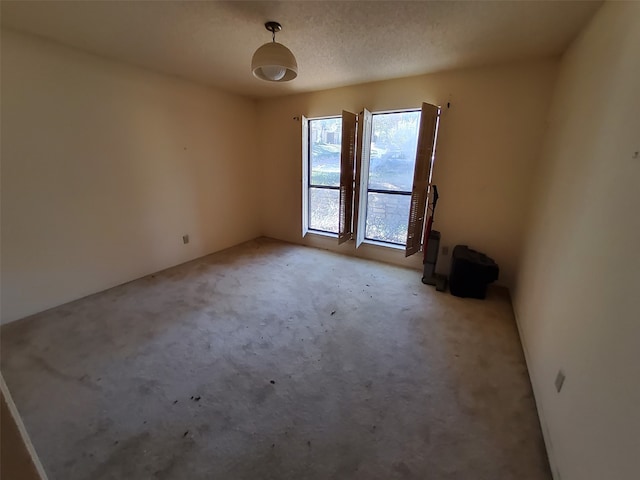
[185, 239]
[445, 250]
[559, 380]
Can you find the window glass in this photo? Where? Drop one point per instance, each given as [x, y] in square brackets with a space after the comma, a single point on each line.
[324, 204]
[324, 145]
[394, 139]
[325, 136]
[387, 217]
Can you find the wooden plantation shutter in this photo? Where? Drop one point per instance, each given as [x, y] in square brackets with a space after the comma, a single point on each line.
[421, 176]
[362, 175]
[347, 156]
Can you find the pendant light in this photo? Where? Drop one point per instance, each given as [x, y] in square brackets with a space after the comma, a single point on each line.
[273, 61]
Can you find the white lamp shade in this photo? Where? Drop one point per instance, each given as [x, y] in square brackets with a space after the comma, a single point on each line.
[274, 62]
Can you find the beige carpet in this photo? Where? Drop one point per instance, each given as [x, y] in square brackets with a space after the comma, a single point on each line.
[276, 361]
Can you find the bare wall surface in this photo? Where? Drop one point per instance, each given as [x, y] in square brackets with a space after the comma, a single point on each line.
[105, 167]
[577, 300]
[489, 143]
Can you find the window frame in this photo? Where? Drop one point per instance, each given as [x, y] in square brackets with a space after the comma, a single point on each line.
[306, 180]
[366, 190]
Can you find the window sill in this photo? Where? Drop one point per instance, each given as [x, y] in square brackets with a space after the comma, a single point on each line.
[378, 243]
[321, 233]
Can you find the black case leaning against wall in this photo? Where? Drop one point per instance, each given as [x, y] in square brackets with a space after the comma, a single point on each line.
[471, 273]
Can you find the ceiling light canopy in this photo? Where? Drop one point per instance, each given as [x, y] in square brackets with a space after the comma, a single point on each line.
[273, 61]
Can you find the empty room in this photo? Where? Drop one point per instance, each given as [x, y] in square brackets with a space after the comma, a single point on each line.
[320, 240]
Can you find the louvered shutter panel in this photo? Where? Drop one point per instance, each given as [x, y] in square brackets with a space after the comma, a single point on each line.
[362, 175]
[421, 176]
[347, 156]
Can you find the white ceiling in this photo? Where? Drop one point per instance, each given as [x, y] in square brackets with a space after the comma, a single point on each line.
[336, 43]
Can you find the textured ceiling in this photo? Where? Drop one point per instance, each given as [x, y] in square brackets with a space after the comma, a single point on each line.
[335, 43]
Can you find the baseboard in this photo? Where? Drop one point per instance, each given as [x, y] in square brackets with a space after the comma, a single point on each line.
[555, 470]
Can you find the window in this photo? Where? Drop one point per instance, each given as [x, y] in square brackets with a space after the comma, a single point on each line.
[392, 158]
[323, 179]
[367, 176]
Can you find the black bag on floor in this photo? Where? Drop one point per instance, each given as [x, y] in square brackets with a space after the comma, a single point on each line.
[471, 273]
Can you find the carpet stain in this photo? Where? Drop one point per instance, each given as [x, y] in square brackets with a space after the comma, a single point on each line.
[402, 469]
[122, 459]
[44, 365]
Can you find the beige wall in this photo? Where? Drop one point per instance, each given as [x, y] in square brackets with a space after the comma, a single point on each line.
[489, 144]
[578, 297]
[106, 166]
